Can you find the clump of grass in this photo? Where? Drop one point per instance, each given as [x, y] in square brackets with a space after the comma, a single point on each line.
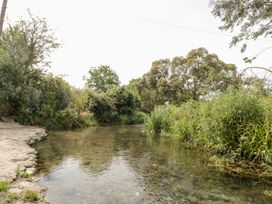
[230, 116]
[24, 175]
[31, 196]
[4, 186]
[256, 143]
[159, 119]
[237, 124]
[12, 197]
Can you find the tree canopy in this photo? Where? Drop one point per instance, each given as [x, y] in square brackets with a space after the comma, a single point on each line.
[102, 78]
[29, 42]
[28, 93]
[182, 78]
[253, 17]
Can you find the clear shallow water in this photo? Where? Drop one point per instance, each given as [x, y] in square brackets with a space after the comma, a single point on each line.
[111, 165]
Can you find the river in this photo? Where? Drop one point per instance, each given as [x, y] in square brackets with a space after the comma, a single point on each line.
[122, 164]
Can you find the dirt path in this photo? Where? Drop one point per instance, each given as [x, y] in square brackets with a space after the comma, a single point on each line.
[18, 160]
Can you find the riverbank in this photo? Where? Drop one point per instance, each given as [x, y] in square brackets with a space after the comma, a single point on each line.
[235, 127]
[17, 161]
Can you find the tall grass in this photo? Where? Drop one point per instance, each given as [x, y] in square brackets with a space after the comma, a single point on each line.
[160, 119]
[237, 124]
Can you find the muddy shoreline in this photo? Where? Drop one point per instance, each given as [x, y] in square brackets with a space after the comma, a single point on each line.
[18, 161]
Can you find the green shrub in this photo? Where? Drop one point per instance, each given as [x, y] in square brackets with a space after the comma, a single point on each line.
[24, 175]
[31, 196]
[136, 117]
[232, 113]
[256, 143]
[117, 106]
[12, 197]
[186, 121]
[124, 101]
[4, 186]
[102, 107]
[159, 119]
[70, 119]
[236, 124]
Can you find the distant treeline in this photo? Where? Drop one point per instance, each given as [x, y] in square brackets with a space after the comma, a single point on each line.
[31, 95]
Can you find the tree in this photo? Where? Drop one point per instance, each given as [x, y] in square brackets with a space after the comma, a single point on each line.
[102, 106]
[117, 105]
[125, 102]
[153, 88]
[253, 17]
[29, 42]
[102, 78]
[202, 73]
[24, 47]
[182, 78]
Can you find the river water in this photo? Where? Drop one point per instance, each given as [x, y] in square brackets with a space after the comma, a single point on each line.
[122, 164]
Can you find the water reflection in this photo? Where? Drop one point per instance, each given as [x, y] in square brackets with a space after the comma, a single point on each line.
[123, 165]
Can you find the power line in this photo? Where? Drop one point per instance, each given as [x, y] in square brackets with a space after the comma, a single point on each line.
[188, 28]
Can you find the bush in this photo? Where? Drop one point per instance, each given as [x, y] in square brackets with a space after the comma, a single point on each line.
[28, 94]
[31, 196]
[117, 106]
[186, 122]
[4, 186]
[137, 117]
[236, 124]
[256, 143]
[12, 197]
[232, 113]
[124, 101]
[159, 119]
[102, 107]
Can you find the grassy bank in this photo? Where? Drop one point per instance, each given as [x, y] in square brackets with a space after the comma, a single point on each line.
[236, 125]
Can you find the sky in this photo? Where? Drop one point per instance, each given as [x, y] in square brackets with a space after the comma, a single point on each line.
[128, 35]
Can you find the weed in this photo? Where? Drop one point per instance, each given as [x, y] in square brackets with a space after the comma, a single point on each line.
[31, 196]
[12, 197]
[4, 186]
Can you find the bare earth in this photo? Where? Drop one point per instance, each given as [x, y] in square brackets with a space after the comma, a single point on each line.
[16, 156]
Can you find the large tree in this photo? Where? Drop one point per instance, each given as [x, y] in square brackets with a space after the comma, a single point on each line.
[192, 77]
[102, 78]
[202, 73]
[252, 17]
[153, 87]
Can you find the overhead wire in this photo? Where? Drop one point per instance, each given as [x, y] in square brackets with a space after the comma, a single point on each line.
[188, 28]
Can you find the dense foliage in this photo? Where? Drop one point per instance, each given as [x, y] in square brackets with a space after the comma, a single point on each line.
[253, 17]
[28, 94]
[102, 78]
[236, 124]
[118, 105]
[175, 81]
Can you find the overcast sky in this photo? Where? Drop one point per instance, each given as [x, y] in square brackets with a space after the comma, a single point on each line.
[120, 33]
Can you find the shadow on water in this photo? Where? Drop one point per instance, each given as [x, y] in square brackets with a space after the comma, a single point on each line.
[124, 165]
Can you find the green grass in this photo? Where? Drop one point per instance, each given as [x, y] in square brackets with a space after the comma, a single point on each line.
[12, 197]
[24, 175]
[159, 119]
[31, 196]
[4, 186]
[237, 124]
